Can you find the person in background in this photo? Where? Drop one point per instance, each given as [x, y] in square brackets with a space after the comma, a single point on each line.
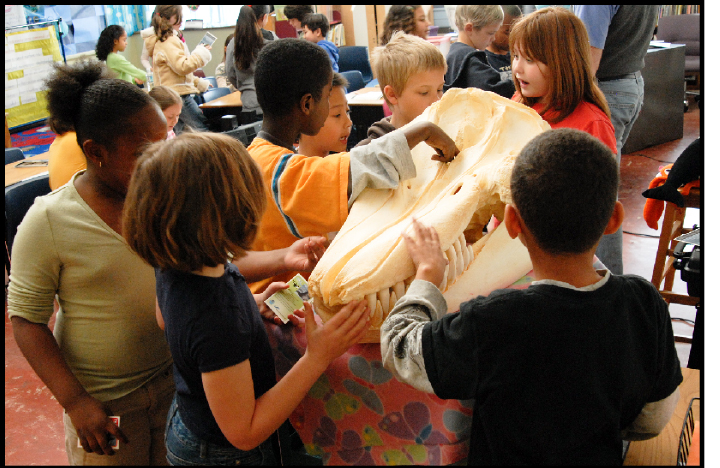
[295, 15]
[220, 73]
[410, 72]
[242, 54]
[65, 157]
[170, 103]
[333, 136]
[619, 40]
[227, 404]
[144, 55]
[262, 13]
[594, 360]
[311, 195]
[408, 18]
[113, 40]
[498, 51]
[315, 28]
[173, 64]
[468, 66]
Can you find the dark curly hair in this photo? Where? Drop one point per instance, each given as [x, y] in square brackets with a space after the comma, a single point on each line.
[399, 18]
[288, 69]
[106, 41]
[248, 38]
[297, 12]
[82, 97]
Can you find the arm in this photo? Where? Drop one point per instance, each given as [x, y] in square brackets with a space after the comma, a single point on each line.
[652, 418]
[597, 20]
[480, 74]
[247, 422]
[595, 57]
[183, 64]
[145, 59]
[123, 65]
[302, 255]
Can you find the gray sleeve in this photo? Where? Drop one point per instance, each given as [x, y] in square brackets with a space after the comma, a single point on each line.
[401, 333]
[381, 164]
[652, 418]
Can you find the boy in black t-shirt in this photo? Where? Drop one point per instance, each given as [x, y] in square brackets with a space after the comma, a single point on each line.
[565, 370]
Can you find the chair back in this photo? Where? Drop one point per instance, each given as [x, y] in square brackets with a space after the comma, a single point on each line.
[683, 29]
[355, 80]
[284, 29]
[12, 155]
[355, 58]
[199, 73]
[18, 200]
[245, 133]
[214, 93]
[212, 80]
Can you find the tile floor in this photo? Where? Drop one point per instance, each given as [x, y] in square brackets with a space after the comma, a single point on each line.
[33, 419]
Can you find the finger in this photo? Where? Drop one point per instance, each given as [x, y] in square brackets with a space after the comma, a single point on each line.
[310, 324]
[117, 433]
[361, 326]
[356, 310]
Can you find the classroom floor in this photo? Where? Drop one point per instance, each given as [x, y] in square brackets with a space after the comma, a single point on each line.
[33, 420]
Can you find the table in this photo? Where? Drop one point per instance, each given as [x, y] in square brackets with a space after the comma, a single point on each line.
[214, 110]
[231, 100]
[14, 174]
[364, 113]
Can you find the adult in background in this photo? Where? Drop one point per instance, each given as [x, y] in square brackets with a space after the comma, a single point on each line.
[619, 39]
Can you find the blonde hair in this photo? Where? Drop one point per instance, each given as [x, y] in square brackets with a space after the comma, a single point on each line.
[165, 97]
[403, 56]
[556, 37]
[192, 201]
[478, 15]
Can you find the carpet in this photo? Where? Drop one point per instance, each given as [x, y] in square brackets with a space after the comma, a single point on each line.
[34, 141]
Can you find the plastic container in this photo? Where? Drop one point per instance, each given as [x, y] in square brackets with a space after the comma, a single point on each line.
[433, 30]
[441, 42]
[149, 82]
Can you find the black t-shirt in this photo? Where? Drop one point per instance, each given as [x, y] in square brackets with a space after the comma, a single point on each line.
[556, 373]
[469, 68]
[211, 324]
[500, 62]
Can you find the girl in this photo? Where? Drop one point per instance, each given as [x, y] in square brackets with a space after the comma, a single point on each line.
[551, 69]
[170, 103]
[173, 64]
[227, 404]
[468, 66]
[220, 73]
[242, 53]
[333, 136]
[112, 40]
[408, 18]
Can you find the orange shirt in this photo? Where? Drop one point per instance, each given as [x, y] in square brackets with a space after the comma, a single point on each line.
[65, 158]
[305, 195]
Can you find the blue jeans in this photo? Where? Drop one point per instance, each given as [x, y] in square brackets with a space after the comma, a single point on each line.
[191, 116]
[625, 98]
[186, 449]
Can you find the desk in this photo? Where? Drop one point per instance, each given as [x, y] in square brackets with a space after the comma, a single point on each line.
[363, 113]
[214, 110]
[231, 100]
[13, 174]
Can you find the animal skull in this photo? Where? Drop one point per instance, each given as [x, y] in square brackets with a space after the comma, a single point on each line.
[368, 259]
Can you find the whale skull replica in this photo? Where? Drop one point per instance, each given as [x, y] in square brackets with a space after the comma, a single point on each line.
[368, 258]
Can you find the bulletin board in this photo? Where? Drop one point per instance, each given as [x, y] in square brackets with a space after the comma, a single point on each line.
[29, 56]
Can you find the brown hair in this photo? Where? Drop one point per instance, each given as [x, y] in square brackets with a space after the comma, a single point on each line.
[161, 20]
[339, 80]
[192, 201]
[558, 38]
[165, 96]
[399, 18]
[402, 57]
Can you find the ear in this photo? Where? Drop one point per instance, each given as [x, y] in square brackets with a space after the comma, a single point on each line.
[94, 152]
[616, 219]
[512, 221]
[307, 104]
[390, 95]
[468, 28]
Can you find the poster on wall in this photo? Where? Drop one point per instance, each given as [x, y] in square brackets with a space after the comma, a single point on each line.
[29, 56]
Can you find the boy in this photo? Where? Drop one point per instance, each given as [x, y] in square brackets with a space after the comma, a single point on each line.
[498, 52]
[333, 136]
[565, 370]
[295, 14]
[315, 27]
[411, 74]
[309, 195]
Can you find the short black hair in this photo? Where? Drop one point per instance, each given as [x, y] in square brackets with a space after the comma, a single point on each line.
[316, 21]
[297, 12]
[106, 41]
[512, 11]
[288, 69]
[564, 185]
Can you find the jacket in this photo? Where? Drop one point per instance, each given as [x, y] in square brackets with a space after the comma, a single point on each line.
[173, 65]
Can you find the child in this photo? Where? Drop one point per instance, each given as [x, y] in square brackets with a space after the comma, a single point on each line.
[227, 404]
[407, 18]
[468, 66]
[551, 69]
[562, 371]
[112, 40]
[262, 13]
[242, 54]
[315, 28]
[173, 64]
[220, 73]
[498, 51]
[295, 15]
[170, 103]
[333, 136]
[410, 73]
[312, 195]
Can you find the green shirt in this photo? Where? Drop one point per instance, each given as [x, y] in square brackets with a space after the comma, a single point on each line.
[124, 69]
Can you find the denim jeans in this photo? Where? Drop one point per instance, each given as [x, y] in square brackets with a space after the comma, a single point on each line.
[190, 115]
[625, 98]
[186, 449]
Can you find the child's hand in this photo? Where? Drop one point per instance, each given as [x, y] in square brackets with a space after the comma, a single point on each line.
[433, 136]
[304, 254]
[426, 253]
[267, 313]
[334, 338]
